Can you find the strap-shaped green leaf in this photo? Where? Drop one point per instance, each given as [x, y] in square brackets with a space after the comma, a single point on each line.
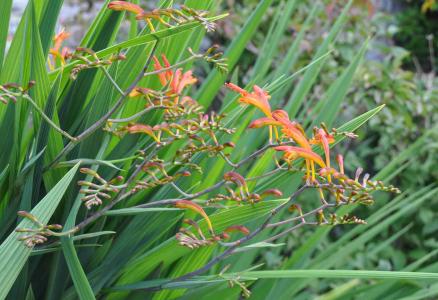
[13, 253]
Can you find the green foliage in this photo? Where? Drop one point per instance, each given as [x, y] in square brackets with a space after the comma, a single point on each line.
[131, 245]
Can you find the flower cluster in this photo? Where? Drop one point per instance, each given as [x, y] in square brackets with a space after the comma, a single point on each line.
[319, 171]
[169, 17]
[95, 192]
[38, 235]
[88, 60]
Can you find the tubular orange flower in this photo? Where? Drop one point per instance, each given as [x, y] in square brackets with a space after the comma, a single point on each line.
[141, 128]
[323, 138]
[177, 80]
[258, 98]
[294, 131]
[56, 51]
[187, 204]
[166, 75]
[59, 39]
[180, 81]
[292, 153]
[122, 5]
[340, 160]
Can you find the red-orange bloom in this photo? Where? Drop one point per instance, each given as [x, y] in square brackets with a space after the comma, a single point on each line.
[164, 76]
[122, 6]
[291, 153]
[294, 131]
[258, 98]
[323, 138]
[177, 80]
[59, 39]
[181, 80]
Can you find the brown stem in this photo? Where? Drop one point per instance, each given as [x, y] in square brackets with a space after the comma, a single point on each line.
[232, 249]
[123, 194]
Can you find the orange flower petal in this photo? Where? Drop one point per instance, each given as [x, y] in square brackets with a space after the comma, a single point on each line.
[261, 122]
[186, 204]
[236, 88]
[157, 67]
[185, 80]
[294, 131]
[292, 153]
[59, 39]
[122, 5]
[324, 139]
[280, 114]
[141, 128]
[259, 98]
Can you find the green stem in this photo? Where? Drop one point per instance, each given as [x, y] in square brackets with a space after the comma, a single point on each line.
[48, 120]
[113, 82]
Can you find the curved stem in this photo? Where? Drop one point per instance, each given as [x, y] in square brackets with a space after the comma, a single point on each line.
[47, 119]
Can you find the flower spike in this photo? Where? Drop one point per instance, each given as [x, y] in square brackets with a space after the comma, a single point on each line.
[258, 98]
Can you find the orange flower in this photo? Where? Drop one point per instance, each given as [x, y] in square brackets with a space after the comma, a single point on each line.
[56, 51]
[140, 128]
[177, 80]
[340, 160]
[164, 76]
[180, 81]
[258, 98]
[122, 6]
[291, 153]
[262, 122]
[186, 204]
[294, 131]
[59, 39]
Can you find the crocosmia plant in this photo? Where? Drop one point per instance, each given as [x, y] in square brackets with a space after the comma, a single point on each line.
[169, 178]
